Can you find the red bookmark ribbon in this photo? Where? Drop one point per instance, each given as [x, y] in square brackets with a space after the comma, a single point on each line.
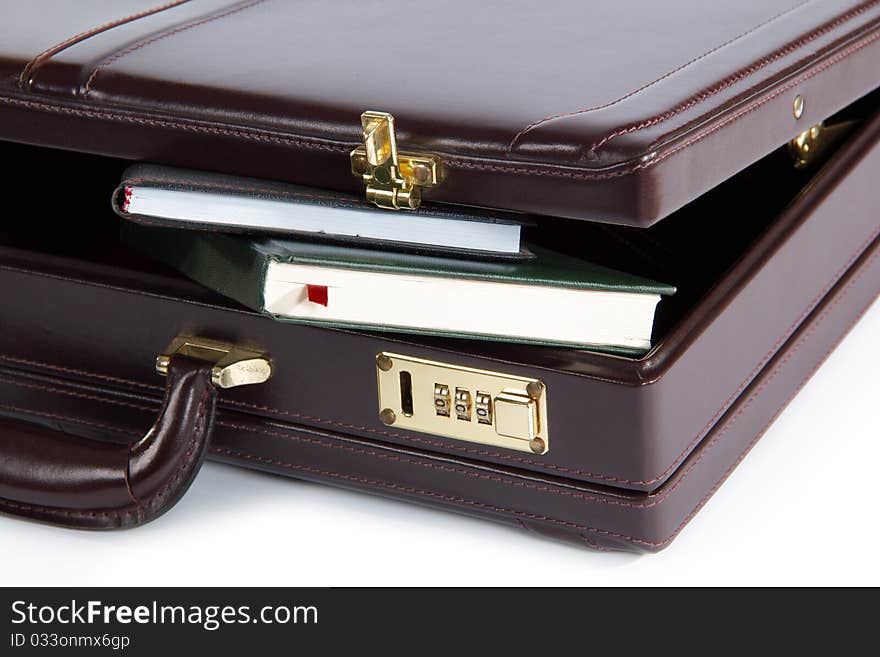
[317, 294]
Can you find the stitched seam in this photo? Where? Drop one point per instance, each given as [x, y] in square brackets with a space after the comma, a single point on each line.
[766, 382]
[116, 57]
[299, 142]
[763, 430]
[663, 475]
[54, 416]
[239, 133]
[190, 453]
[646, 164]
[735, 78]
[452, 160]
[68, 370]
[163, 409]
[137, 508]
[376, 483]
[615, 502]
[636, 540]
[522, 514]
[26, 78]
[561, 115]
[395, 339]
[748, 110]
[69, 393]
[20, 506]
[659, 499]
[467, 450]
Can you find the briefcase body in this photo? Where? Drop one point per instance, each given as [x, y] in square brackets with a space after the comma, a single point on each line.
[608, 450]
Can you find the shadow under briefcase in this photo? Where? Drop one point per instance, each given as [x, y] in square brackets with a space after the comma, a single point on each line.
[747, 153]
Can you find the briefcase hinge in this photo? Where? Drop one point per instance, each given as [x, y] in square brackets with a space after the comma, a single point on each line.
[814, 145]
[807, 146]
[393, 179]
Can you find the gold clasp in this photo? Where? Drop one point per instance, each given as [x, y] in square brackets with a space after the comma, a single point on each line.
[233, 366]
[813, 145]
[393, 179]
[805, 148]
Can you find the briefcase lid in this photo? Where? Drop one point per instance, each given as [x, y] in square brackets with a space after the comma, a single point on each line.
[611, 110]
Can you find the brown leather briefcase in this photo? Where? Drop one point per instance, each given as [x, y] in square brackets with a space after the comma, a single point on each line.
[744, 140]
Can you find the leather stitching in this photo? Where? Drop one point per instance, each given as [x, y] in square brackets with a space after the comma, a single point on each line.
[64, 418]
[457, 500]
[655, 500]
[197, 437]
[68, 370]
[142, 44]
[521, 514]
[650, 162]
[246, 134]
[454, 161]
[70, 393]
[194, 440]
[562, 115]
[450, 446]
[228, 310]
[138, 506]
[706, 94]
[26, 78]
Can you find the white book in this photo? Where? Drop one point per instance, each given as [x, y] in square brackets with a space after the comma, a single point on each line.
[320, 214]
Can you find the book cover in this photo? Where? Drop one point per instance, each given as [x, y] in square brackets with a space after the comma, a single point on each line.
[539, 300]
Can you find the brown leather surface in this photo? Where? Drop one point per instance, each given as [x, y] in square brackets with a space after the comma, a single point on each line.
[605, 110]
[526, 120]
[55, 477]
[614, 421]
[592, 516]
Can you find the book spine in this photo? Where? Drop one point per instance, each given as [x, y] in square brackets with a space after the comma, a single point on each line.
[227, 264]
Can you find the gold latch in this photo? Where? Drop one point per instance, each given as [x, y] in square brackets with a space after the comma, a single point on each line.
[233, 366]
[393, 179]
[813, 145]
[807, 146]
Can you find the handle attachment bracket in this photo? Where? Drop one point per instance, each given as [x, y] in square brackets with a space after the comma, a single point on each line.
[233, 365]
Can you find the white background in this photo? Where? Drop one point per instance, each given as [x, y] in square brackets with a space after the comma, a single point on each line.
[801, 509]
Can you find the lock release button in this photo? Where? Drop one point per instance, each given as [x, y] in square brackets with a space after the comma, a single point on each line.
[516, 415]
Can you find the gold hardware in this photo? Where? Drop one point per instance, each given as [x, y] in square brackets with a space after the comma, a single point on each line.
[811, 146]
[516, 415]
[441, 399]
[805, 147]
[233, 366]
[479, 406]
[798, 106]
[393, 179]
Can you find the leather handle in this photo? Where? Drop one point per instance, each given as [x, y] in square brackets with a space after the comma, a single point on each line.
[67, 480]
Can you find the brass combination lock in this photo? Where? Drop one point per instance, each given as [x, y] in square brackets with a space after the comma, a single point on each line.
[478, 406]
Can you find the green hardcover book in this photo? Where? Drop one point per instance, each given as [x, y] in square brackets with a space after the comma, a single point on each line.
[550, 299]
